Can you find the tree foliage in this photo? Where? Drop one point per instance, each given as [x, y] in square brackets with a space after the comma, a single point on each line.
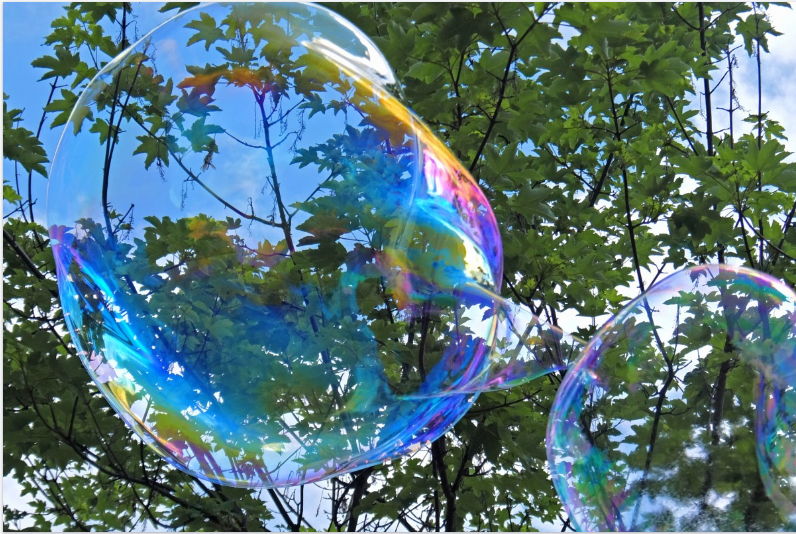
[598, 154]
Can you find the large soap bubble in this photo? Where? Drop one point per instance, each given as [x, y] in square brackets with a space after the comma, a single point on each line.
[270, 267]
[681, 413]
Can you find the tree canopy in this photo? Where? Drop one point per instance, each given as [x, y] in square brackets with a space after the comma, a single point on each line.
[592, 131]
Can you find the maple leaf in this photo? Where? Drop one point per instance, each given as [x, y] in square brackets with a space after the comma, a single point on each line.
[206, 30]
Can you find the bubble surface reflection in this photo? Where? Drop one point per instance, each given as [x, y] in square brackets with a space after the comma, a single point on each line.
[680, 415]
[263, 256]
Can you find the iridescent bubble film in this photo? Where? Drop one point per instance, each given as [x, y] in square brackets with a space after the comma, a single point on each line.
[269, 266]
[681, 413]
[525, 348]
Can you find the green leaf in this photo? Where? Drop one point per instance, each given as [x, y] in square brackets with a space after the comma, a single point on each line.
[62, 65]
[530, 202]
[9, 194]
[101, 127]
[20, 145]
[206, 30]
[200, 134]
[153, 148]
[181, 6]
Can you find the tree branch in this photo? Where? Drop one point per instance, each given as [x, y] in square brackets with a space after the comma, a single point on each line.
[30, 173]
[682, 128]
[502, 89]
[595, 193]
[194, 178]
[9, 239]
[787, 225]
[708, 107]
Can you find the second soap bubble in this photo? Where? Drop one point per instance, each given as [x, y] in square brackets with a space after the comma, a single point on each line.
[681, 413]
